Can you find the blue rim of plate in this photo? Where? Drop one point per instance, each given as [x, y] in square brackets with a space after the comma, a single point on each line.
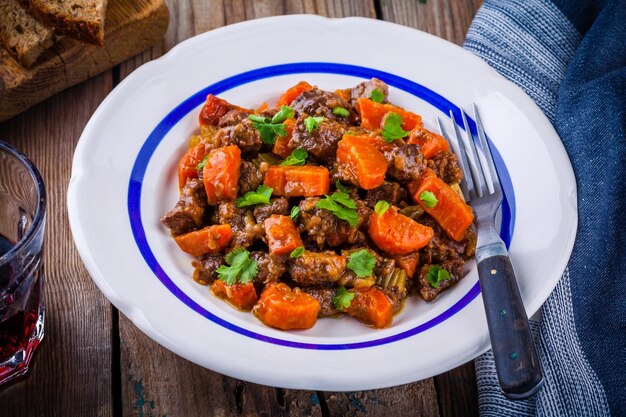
[179, 112]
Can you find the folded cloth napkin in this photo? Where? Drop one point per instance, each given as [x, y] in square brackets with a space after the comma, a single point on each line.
[570, 57]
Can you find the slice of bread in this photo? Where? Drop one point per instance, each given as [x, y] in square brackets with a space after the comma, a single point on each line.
[23, 35]
[80, 19]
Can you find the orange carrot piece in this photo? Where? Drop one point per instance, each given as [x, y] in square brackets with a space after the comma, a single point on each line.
[371, 306]
[281, 146]
[286, 309]
[221, 173]
[451, 212]
[396, 233]
[262, 107]
[430, 143]
[408, 262]
[345, 94]
[372, 114]
[366, 164]
[292, 93]
[240, 296]
[282, 234]
[298, 181]
[213, 109]
[211, 239]
[188, 164]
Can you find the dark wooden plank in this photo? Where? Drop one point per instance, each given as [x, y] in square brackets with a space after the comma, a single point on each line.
[71, 375]
[457, 392]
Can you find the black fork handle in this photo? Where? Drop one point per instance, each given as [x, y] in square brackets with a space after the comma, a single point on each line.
[517, 365]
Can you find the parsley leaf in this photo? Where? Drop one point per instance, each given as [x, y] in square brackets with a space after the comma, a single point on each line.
[362, 262]
[297, 252]
[283, 114]
[341, 112]
[312, 123]
[341, 187]
[381, 207]
[377, 95]
[241, 268]
[295, 212]
[342, 298]
[297, 157]
[267, 128]
[429, 199]
[260, 196]
[341, 205]
[392, 129]
[201, 165]
[436, 275]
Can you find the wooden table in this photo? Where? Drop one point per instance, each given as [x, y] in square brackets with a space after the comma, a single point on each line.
[94, 361]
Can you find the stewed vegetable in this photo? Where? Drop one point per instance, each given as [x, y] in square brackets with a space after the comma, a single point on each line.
[325, 204]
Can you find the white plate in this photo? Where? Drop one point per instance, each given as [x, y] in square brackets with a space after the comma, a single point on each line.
[124, 179]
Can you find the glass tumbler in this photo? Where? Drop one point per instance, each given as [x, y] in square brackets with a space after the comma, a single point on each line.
[22, 223]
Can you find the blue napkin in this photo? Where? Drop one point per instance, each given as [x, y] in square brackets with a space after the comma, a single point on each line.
[570, 57]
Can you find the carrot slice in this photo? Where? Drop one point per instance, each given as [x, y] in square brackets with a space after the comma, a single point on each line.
[240, 296]
[286, 309]
[188, 164]
[408, 262]
[396, 233]
[298, 181]
[262, 107]
[366, 164]
[282, 234]
[221, 173]
[430, 143]
[451, 212]
[371, 306]
[281, 146]
[372, 114]
[213, 109]
[292, 93]
[211, 239]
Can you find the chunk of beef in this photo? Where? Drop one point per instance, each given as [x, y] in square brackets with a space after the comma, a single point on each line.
[276, 206]
[189, 212]
[245, 230]
[317, 268]
[232, 117]
[242, 134]
[205, 268]
[390, 192]
[250, 177]
[446, 167]
[406, 162]
[317, 102]
[429, 292]
[270, 267]
[365, 90]
[321, 143]
[324, 228]
[325, 297]
[441, 247]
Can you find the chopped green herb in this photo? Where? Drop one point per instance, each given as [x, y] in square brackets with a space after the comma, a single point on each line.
[241, 268]
[429, 199]
[297, 252]
[341, 112]
[295, 212]
[201, 165]
[377, 95]
[260, 196]
[381, 207]
[267, 129]
[312, 123]
[341, 187]
[341, 205]
[297, 157]
[283, 114]
[362, 262]
[436, 275]
[392, 129]
[342, 298]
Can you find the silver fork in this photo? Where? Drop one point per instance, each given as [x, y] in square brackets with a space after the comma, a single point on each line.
[517, 365]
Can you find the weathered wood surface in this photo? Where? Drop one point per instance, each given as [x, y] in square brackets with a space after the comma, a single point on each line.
[131, 27]
[96, 362]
